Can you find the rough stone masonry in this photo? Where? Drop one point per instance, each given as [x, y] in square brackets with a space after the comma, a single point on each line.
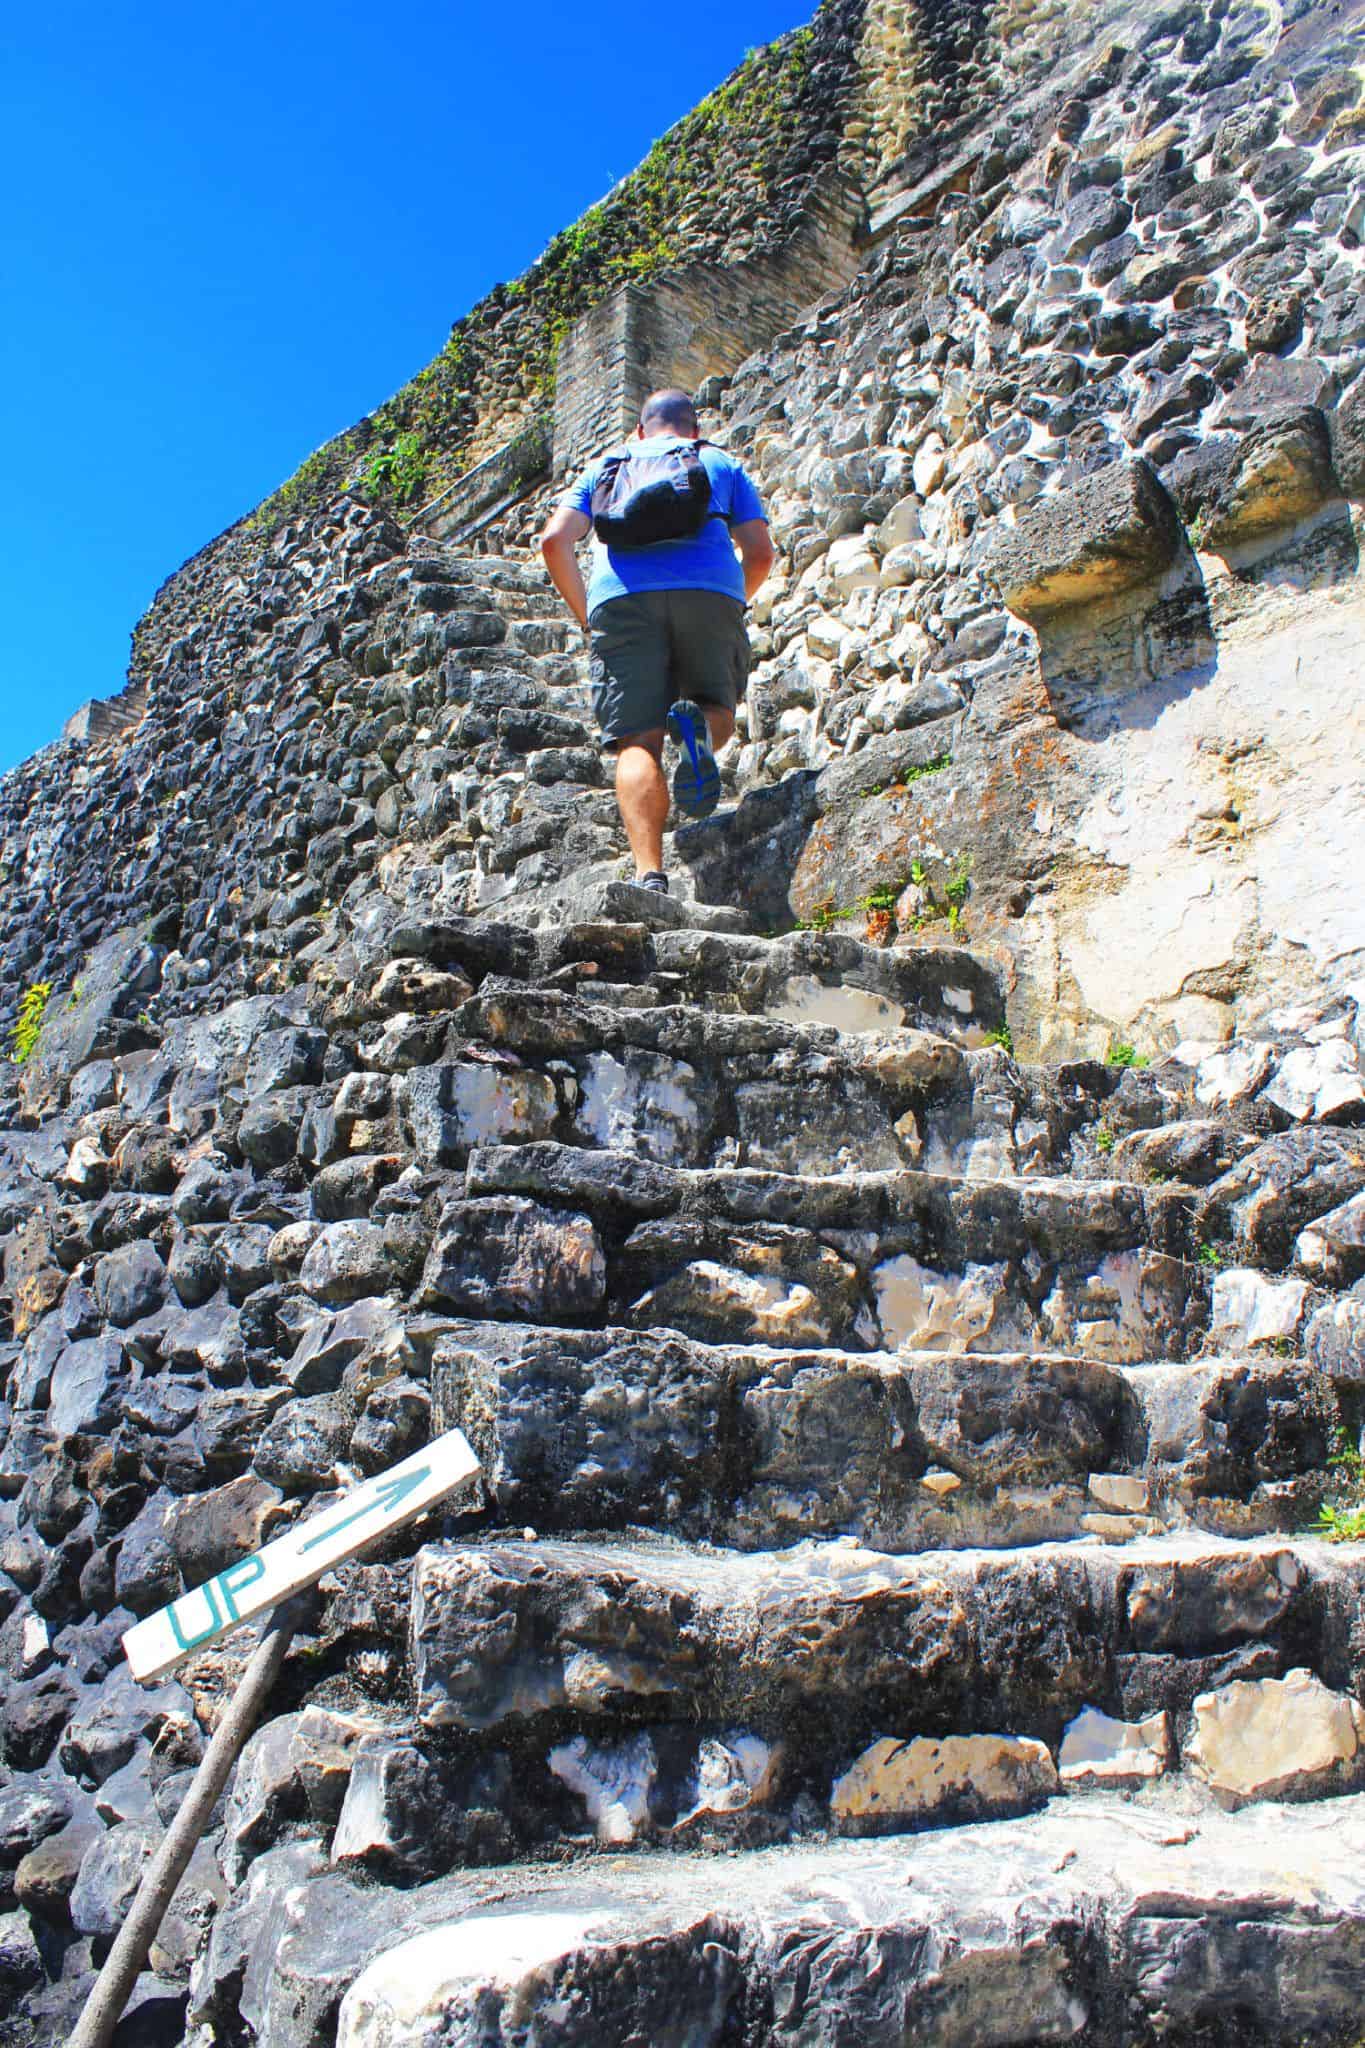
[906, 1291]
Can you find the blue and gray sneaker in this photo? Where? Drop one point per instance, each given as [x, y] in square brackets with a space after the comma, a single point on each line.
[696, 780]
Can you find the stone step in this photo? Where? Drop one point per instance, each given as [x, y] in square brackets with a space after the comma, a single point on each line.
[815, 978]
[821, 1650]
[644, 1689]
[549, 1232]
[539, 634]
[580, 1430]
[768, 1090]
[830, 978]
[1095, 1920]
[512, 574]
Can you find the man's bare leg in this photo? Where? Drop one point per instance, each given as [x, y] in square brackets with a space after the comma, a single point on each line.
[642, 796]
[642, 792]
[720, 724]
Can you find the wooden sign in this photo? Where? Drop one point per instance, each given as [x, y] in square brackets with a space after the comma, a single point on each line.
[265, 1577]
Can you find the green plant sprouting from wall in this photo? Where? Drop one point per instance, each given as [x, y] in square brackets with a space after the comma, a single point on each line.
[419, 439]
[29, 1022]
[400, 469]
[942, 896]
[1341, 1518]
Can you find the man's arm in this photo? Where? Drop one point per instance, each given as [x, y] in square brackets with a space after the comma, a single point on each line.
[557, 547]
[756, 552]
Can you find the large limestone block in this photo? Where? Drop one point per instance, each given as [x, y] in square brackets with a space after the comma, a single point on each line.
[1347, 428]
[1110, 532]
[1281, 473]
[1275, 1738]
[450, 1108]
[1318, 1081]
[904, 1784]
[643, 1103]
[1333, 1248]
[514, 1257]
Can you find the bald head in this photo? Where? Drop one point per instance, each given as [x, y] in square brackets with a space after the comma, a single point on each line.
[669, 412]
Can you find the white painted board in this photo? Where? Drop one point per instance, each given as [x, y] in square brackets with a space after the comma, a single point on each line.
[264, 1577]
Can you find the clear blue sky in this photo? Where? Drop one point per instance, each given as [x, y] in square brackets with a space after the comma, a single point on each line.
[230, 232]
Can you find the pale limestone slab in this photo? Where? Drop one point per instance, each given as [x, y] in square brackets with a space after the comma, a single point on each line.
[1120, 1490]
[912, 1781]
[1267, 1737]
[1098, 1750]
[1248, 1309]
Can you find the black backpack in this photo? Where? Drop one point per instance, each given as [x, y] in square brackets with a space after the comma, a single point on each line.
[644, 498]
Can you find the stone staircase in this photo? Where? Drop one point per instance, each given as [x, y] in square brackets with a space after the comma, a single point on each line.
[857, 1462]
[891, 1607]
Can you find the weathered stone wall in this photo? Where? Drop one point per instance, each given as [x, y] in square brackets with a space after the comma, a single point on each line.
[697, 322]
[1163, 262]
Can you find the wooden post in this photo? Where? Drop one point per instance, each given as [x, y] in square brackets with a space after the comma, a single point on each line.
[128, 1956]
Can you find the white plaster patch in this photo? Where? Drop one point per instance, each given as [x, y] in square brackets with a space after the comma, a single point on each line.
[921, 1310]
[1188, 919]
[614, 1781]
[804, 1000]
[644, 1104]
[1236, 804]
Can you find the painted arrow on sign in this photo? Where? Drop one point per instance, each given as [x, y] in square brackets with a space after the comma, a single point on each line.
[265, 1577]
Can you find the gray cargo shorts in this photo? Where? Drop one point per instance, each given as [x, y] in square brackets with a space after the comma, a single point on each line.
[654, 646]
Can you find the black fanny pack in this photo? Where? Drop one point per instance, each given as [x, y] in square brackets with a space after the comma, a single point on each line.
[644, 498]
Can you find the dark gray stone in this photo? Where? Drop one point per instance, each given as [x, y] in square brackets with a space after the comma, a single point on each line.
[130, 1283]
[514, 1257]
[111, 1871]
[299, 1449]
[1346, 424]
[86, 1384]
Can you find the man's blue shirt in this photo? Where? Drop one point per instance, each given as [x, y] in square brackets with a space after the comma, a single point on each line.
[705, 562]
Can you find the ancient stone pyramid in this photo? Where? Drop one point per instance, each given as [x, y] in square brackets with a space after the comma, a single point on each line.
[906, 1291]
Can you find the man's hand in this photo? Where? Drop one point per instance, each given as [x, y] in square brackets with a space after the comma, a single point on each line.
[557, 547]
[756, 552]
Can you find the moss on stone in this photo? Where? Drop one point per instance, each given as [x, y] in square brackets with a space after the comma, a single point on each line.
[712, 177]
